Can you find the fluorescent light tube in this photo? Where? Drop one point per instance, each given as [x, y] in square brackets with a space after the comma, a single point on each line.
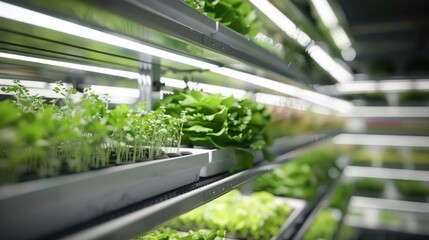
[329, 65]
[276, 16]
[310, 96]
[20, 14]
[107, 71]
[325, 13]
[321, 57]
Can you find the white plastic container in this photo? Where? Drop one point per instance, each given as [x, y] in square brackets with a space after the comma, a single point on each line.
[38, 208]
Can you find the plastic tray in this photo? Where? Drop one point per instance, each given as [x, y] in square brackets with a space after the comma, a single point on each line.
[39, 208]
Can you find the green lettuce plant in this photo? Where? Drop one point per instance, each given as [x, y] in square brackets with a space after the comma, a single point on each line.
[258, 216]
[170, 234]
[301, 177]
[221, 122]
[235, 14]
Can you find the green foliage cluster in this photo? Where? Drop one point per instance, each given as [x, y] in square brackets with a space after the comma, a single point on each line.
[324, 226]
[258, 216]
[340, 197]
[42, 139]
[221, 122]
[369, 185]
[169, 234]
[235, 14]
[412, 188]
[301, 177]
[287, 122]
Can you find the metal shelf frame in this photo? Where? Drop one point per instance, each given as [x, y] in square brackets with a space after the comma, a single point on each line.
[141, 220]
[175, 19]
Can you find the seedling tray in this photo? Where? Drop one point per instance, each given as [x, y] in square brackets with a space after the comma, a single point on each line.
[36, 209]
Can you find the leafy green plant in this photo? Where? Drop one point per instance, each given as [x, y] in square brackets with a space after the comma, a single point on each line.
[258, 216]
[41, 139]
[324, 226]
[301, 177]
[221, 122]
[412, 188]
[340, 197]
[369, 185]
[235, 14]
[23, 99]
[169, 234]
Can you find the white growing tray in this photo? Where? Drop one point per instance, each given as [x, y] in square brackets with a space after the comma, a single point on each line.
[38, 208]
[221, 160]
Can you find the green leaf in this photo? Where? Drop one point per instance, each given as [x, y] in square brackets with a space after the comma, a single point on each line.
[244, 160]
[198, 129]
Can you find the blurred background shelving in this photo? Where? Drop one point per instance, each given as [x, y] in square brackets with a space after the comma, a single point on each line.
[345, 84]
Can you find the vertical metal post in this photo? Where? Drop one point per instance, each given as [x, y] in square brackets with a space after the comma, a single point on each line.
[149, 81]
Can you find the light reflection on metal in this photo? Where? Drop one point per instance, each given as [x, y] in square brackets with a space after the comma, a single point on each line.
[377, 86]
[389, 112]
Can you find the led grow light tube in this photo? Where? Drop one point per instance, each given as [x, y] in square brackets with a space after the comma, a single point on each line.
[378, 86]
[310, 96]
[325, 13]
[337, 71]
[389, 204]
[107, 71]
[329, 64]
[381, 140]
[20, 14]
[386, 173]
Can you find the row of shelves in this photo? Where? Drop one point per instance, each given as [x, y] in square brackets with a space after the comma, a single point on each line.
[122, 201]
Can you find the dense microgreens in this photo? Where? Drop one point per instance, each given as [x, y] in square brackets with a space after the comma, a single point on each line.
[41, 139]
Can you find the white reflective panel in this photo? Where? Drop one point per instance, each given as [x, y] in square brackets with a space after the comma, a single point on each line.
[381, 140]
[389, 112]
[389, 204]
[386, 173]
